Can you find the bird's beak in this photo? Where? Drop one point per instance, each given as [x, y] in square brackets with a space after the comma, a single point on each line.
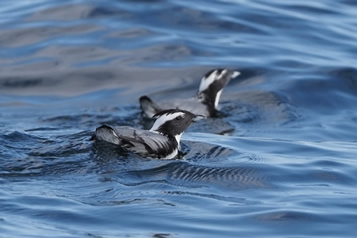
[198, 117]
[235, 74]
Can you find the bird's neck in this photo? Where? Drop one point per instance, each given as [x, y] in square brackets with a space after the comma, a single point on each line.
[176, 137]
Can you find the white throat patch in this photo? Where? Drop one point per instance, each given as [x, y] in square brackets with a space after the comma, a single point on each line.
[165, 118]
[178, 139]
[218, 96]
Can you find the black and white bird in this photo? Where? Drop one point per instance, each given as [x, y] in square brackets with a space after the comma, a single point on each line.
[205, 102]
[161, 141]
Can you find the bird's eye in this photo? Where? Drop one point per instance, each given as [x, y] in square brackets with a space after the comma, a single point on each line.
[178, 118]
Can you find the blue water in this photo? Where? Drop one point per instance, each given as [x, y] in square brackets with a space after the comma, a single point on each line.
[281, 161]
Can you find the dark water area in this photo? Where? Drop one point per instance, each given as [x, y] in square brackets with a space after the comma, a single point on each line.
[281, 160]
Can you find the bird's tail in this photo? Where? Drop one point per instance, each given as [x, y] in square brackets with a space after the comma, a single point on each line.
[148, 107]
[106, 133]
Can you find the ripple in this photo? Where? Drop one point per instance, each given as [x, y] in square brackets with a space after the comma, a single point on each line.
[36, 156]
[185, 174]
[278, 160]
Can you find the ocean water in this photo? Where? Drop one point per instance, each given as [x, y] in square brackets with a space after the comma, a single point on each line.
[281, 160]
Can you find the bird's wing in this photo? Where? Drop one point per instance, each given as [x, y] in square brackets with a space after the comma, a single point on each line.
[144, 142]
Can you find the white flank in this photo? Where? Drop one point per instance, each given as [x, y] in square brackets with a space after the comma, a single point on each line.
[172, 155]
[164, 118]
[206, 82]
[218, 96]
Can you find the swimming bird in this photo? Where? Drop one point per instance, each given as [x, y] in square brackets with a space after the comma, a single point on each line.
[161, 141]
[205, 102]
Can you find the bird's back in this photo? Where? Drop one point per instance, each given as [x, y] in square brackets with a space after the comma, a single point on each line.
[144, 143]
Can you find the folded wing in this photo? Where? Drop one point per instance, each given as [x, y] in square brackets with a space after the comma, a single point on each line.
[144, 143]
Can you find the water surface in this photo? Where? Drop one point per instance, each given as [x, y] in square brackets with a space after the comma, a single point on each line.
[280, 160]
